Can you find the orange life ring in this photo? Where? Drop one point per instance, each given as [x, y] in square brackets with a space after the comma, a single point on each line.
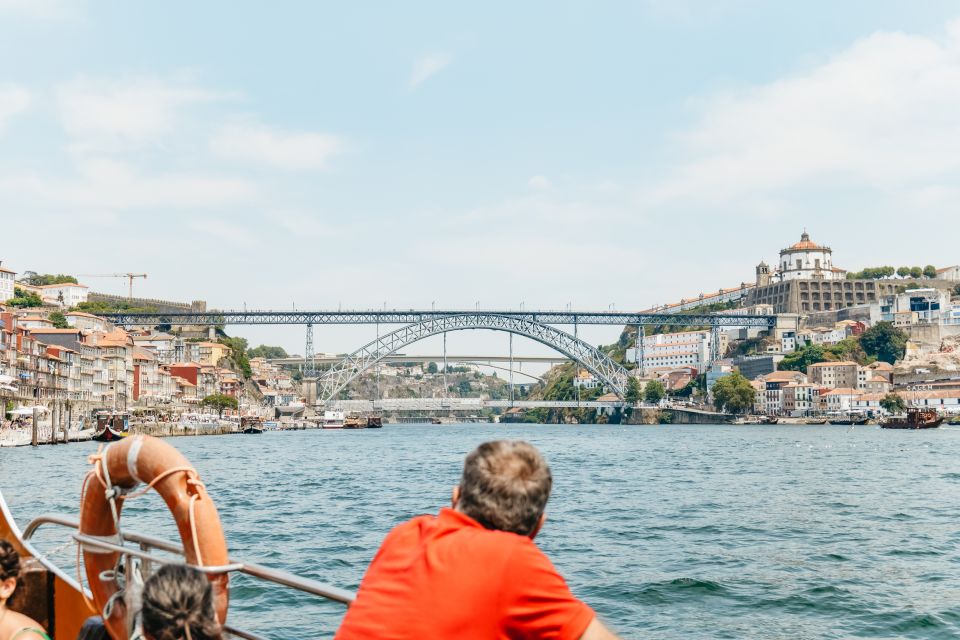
[122, 466]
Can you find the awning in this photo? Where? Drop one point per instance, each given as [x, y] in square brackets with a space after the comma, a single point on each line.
[5, 379]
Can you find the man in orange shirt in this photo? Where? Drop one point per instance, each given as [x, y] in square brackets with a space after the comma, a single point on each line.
[473, 571]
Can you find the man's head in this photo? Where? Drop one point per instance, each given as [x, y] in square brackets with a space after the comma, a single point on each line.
[505, 486]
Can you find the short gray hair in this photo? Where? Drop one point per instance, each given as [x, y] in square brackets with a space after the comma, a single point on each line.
[505, 486]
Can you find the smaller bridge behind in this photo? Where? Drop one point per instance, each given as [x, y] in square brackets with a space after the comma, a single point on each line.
[472, 405]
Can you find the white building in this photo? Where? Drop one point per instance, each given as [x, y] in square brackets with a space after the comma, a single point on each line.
[65, 295]
[806, 260]
[6, 283]
[915, 306]
[949, 273]
[585, 380]
[672, 350]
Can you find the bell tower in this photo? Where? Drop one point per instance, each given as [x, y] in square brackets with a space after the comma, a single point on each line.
[763, 274]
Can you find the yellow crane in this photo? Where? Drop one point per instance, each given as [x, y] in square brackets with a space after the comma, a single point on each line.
[128, 276]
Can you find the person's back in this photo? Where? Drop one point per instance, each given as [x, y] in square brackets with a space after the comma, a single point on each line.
[473, 571]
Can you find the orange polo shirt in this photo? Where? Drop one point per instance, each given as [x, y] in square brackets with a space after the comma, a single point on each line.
[449, 577]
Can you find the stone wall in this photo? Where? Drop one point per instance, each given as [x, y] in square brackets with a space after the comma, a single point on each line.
[162, 306]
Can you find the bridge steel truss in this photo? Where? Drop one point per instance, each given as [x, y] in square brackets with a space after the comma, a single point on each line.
[412, 316]
[597, 362]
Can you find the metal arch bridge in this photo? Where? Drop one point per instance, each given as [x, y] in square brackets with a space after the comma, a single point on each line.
[597, 362]
[412, 316]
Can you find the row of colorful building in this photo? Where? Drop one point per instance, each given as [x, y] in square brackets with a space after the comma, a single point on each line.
[92, 364]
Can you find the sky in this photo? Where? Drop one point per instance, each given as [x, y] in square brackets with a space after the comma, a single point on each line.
[362, 155]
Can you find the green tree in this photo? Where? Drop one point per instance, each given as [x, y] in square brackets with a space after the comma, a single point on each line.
[654, 392]
[733, 393]
[634, 392]
[893, 403]
[916, 272]
[930, 271]
[220, 402]
[956, 290]
[848, 349]
[432, 368]
[43, 279]
[464, 388]
[238, 353]
[884, 342]
[264, 351]
[803, 357]
[903, 272]
[59, 320]
[23, 299]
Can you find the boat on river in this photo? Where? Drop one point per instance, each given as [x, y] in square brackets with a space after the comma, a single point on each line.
[914, 419]
[62, 602]
[111, 425]
[251, 425]
[332, 420]
[849, 418]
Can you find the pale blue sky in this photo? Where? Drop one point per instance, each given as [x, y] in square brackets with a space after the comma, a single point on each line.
[403, 153]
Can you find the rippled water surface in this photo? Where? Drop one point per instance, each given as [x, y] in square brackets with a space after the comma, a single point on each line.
[668, 532]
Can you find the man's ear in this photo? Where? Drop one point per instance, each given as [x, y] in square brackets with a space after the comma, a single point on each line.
[7, 587]
[455, 497]
[536, 529]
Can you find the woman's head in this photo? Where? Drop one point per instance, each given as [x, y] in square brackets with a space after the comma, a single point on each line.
[178, 603]
[9, 570]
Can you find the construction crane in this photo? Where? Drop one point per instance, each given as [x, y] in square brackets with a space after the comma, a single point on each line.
[128, 276]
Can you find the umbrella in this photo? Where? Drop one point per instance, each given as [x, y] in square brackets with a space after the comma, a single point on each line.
[28, 411]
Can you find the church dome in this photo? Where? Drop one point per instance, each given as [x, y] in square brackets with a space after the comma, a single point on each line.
[805, 244]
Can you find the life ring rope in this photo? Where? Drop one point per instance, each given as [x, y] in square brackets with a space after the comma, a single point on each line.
[102, 473]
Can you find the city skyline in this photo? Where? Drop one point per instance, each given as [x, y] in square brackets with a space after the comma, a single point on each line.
[615, 154]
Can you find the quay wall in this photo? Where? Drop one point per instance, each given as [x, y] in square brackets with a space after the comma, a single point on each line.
[688, 416]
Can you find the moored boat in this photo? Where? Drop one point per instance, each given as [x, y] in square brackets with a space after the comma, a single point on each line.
[815, 421]
[374, 422]
[914, 419]
[354, 422]
[332, 420]
[251, 424]
[111, 425]
[851, 418]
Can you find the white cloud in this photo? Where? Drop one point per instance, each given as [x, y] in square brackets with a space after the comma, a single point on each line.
[111, 184]
[426, 67]
[251, 142]
[13, 100]
[105, 115]
[539, 182]
[882, 114]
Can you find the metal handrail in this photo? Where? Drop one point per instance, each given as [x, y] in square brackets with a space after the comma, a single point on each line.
[276, 576]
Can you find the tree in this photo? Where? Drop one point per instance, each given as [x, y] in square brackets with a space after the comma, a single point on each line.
[220, 402]
[23, 298]
[264, 351]
[903, 272]
[930, 271]
[59, 320]
[43, 279]
[956, 290]
[884, 342]
[654, 392]
[733, 393]
[803, 357]
[634, 392]
[893, 403]
[916, 272]
[432, 368]
[238, 352]
[464, 388]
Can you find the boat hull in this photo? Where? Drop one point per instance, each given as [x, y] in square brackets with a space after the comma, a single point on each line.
[108, 435]
[933, 424]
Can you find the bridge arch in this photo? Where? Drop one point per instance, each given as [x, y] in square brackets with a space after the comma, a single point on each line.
[598, 363]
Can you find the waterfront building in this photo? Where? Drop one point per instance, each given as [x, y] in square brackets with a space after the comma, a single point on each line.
[834, 375]
[841, 399]
[162, 345]
[916, 306]
[800, 398]
[65, 295]
[7, 279]
[770, 400]
[86, 321]
[752, 367]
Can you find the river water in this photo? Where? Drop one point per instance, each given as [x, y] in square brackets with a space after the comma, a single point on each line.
[667, 531]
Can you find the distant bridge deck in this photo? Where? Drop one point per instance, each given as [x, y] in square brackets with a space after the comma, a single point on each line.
[411, 316]
[321, 360]
[461, 404]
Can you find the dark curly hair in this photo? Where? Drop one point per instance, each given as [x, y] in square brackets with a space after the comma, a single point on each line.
[9, 561]
[178, 603]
